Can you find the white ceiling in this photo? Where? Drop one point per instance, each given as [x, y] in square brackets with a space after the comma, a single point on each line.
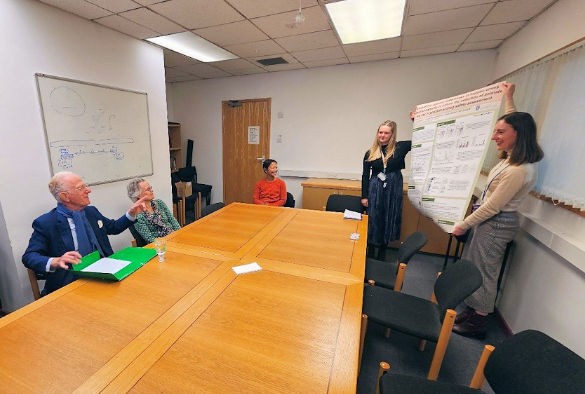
[260, 29]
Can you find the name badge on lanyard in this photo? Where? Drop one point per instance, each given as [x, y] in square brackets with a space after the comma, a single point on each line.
[382, 175]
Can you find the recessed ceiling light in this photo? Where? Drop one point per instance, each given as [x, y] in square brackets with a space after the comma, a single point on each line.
[366, 20]
[190, 44]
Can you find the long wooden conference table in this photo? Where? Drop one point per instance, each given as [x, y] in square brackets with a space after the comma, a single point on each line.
[190, 324]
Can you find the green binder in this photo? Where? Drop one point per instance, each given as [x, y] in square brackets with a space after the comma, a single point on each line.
[136, 258]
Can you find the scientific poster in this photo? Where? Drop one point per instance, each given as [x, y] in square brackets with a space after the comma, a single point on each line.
[449, 142]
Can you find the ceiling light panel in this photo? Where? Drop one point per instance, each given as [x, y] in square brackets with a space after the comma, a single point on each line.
[366, 20]
[192, 45]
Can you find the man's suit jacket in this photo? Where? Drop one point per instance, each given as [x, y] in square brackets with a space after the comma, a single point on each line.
[52, 238]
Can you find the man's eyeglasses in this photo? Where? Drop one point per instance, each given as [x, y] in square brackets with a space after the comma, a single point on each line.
[148, 189]
[80, 188]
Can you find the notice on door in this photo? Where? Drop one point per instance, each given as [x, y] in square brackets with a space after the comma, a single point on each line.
[450, 138]
[254, 135]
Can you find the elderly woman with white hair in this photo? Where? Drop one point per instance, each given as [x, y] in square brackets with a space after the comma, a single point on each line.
[157, 220]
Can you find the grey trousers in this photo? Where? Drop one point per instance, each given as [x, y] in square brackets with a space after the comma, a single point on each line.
[486, 250]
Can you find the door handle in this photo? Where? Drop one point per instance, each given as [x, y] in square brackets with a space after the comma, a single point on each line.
[261, 159]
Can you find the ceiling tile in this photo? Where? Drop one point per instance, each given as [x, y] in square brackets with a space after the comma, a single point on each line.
[128, 27]
[147, 2]
[232, 33]
[515, 10]
[374, 57]
[173, 59]
[249, 71]
[234, 64]
[319, 54]
[495, 32]
[416, 7]
[197, 69]
[255, 8]
[303, 42]
[184, 79]
[282, 25]
[431, 40]
[195, 14]
[171, 72]
[116, 5]
[474, 46]
[429, 51]
[203, 70]
[284, 67]
[373, 47]
[82, 8]
[255, 49]
[153, 21]
[445, 20]
[286, 56]
[328, 62]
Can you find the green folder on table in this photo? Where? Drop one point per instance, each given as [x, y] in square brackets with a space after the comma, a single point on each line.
[117, 266]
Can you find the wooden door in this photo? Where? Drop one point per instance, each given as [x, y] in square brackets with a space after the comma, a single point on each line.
[242, 158]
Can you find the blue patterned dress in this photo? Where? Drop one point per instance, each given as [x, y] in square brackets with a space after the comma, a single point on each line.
[384, 202]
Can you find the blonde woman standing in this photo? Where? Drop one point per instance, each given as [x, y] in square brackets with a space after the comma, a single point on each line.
[382, 188]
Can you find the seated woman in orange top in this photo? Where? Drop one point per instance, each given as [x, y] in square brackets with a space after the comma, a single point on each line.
[270, 190]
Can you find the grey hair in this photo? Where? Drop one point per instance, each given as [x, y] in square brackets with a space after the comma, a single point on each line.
[134, 189]
[57, 184]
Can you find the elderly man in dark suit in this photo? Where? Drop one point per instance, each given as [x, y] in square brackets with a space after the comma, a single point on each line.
[71, 230]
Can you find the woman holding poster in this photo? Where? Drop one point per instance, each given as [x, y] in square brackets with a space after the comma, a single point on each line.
[495, 222]
[382, 188]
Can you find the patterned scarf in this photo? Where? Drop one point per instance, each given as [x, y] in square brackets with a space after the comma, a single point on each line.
[155, 218]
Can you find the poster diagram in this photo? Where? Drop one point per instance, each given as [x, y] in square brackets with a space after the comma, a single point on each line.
[449, 143]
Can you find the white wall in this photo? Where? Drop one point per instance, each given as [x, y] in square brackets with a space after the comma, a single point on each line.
[544, 286]
[559, 26]
[331, 114]
[42, 39]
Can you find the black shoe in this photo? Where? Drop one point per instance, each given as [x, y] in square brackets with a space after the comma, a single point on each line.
[474, 326]
[464, 315]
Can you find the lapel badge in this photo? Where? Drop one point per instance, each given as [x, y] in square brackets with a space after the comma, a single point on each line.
[100, 224]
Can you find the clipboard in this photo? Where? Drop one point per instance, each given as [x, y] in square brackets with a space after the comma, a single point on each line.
[135, 257]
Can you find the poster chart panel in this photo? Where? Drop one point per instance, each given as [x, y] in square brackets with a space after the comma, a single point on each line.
[100, 132]
[449, 143]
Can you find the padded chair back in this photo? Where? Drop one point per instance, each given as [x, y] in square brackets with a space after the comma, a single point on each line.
[455, 284]
[140, 242]
[290, 200]
[206, 210]
[188, 174]
[341, 202]
[533, 362]
[174, 179]
[411, 245]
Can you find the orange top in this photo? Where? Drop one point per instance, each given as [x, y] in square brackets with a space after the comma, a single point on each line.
[270, 193]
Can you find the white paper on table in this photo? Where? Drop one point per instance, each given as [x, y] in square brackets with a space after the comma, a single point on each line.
[244, 269]
[106, 266]
[347, 214]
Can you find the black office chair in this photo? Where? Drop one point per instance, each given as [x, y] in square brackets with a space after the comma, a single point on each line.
[528, 362]
[208, 209]
[341, 202]
[140, 242]
[422, 318]
[391, 275]
[189, 174]
[290, 200]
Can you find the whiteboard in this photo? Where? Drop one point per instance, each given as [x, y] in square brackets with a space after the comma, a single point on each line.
[101, 133]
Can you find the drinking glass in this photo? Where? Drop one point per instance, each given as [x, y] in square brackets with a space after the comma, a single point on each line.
[161, 247]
